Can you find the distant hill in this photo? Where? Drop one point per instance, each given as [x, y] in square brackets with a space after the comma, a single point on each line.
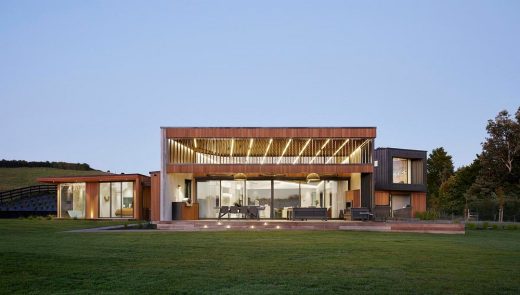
[11, 178]
[34, 164]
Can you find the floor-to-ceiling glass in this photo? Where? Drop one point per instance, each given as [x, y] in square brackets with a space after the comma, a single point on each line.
[259, 194]
[116, 199]
[286, 195]
[208, 197]
[72, 200]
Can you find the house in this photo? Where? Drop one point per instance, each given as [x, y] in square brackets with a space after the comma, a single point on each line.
[275, 169]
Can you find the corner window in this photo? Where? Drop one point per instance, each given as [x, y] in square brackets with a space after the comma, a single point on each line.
[401, 170]
[116, 200]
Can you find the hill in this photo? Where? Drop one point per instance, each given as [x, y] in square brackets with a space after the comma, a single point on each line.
[11, 178]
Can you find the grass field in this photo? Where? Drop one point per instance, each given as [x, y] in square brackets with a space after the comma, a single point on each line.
[37, 256]
[11, 178]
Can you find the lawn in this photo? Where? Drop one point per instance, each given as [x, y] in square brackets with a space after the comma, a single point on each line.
[37, 256]
[11, 178]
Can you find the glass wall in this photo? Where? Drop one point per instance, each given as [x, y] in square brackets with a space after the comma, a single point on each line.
[286, 195]
[259, 194]
[72, 200]
[116, 199]
[328, 194]
[208, 197]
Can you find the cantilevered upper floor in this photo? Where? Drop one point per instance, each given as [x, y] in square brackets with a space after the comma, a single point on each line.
[268, 149]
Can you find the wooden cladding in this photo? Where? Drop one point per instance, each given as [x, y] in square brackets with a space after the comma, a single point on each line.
[269, 151]
[155, 197]
[418, 202]
[337, 170]
[270, 132]
[382, 198]
[353, 196]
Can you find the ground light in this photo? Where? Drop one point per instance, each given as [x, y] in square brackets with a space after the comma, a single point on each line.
[265, 223]
[205, 226]
[228, 226]
[277, 227]
[252, 226]
[219, 223]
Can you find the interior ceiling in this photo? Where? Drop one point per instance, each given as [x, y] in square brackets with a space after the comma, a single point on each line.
[292, 147]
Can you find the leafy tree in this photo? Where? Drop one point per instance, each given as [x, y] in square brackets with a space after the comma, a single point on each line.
[498, 183]
[439, 167]
[453, 192]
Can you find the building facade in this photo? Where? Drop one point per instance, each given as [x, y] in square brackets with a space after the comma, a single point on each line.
[205, 169]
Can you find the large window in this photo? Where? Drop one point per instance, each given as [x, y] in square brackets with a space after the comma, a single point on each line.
[116, 200]
[72, 200]
[401, 170]
[273, 197]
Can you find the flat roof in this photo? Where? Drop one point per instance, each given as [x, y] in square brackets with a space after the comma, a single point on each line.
[92, 178]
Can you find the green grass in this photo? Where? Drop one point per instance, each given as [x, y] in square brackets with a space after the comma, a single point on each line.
[11, 178]
[37, 256]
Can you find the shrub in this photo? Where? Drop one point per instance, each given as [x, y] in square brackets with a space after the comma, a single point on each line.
[485, 225]
[512, 227]
[494, 226]
[140, 225]
[427, 215]
[471, 226]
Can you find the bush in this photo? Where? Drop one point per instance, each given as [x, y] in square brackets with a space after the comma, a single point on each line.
[494, 226]
[471, 226]
[427, 215]
[485, 225]
[512, 227]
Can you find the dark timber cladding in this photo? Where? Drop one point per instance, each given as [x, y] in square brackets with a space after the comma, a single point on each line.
[383, 172]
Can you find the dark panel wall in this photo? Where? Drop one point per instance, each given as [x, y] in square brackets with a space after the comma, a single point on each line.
[383, 172]
[367, 190]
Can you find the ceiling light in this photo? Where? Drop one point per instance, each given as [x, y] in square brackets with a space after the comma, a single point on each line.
[284, 150]
[239, 176]
[267, 150]
[301, 152]
[313, 177]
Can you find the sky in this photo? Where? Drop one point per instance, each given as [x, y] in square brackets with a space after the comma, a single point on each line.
[93, 81]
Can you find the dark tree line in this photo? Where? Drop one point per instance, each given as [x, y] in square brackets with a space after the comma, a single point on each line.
[490, 185]
[47, 164]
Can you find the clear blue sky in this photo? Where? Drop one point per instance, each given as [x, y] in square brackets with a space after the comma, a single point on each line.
[92, 81]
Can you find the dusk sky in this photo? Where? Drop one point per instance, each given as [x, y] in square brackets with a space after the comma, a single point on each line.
[93, 81]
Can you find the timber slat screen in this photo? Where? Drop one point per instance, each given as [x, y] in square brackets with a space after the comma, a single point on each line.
[260, 151]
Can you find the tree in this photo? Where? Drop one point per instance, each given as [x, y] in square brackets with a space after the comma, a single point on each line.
[498, 182]
[453, 192]
[439, 167]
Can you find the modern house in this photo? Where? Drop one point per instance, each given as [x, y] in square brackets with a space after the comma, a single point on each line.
[276, 170]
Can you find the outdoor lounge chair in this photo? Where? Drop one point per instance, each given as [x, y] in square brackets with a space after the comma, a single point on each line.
[252, 212]
[223, 211]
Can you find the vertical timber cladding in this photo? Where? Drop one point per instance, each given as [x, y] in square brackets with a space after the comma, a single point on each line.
[367, 190]
[155, 196]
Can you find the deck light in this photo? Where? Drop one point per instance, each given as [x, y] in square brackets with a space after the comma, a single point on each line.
[265, 223]
[252, 226]
[337, 151]
[228, 226]
[219, 223]
[267, 150]
[284, 150]
[205, 226]
[277, 227]
[301, 152]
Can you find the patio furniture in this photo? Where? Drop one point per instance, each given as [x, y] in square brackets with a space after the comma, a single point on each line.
[307, 213]
[382, 213]
[404, 213]
[253, 212]
[361, 214]
[223, 211]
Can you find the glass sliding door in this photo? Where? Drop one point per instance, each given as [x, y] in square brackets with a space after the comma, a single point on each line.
[72, 200]
[104, 200]
[208, 197]
[286, 195]
[116, 199]
[259, 194]
[232, 192]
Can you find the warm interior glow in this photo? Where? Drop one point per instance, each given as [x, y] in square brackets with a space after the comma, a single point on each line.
[249, 149]
[195, 142]
[232, 147]
[319, 152]
[267, 150]
[337, 151]
[303, 149]
[284, 150]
